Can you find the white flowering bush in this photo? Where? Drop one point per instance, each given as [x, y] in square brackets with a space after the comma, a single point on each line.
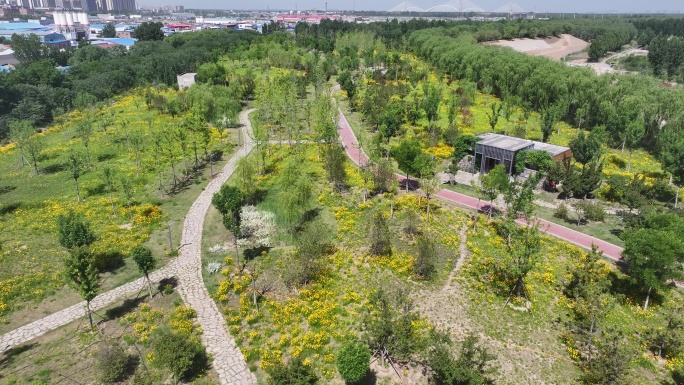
[256, 227]
[213, 267]
[218, 249]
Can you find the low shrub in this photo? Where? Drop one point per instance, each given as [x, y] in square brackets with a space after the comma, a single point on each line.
[178, 353]
[113, 363]
[293, 373]
[353, 361]
[595, 211]
[562, 212]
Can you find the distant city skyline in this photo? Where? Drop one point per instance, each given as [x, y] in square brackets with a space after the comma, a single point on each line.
[578, 6]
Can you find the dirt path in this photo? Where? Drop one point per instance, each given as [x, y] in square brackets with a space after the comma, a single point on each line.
[463, 254]
[187, 267]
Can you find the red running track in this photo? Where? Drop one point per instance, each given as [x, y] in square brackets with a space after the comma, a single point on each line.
[357, 155]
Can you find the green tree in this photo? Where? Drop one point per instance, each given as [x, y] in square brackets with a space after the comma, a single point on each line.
[75, 165]
[548, 120]
[84, 130]
[353, 361]
[312, 244]
[34, 145]
[405, 154]
[672, 157]
[334, 160]
[28, 48]
[589, 287]
[380, 244]
[292, 373]
[384, 178]
[83, 276]
[432, 96]
[429, 186]
[178, 353]
[494, 115]
[108, 31]
[424, 264]
[113, 363]
[653, 257]
[634, 133]
[608, 365]
[73, 231]
[390, 325]
[581, 184]
[492, 184]
[667, 337]
[149, 31]
[109, 178]
[144, 259]
[392, 120]
[472, 367]
[522, 247]
[585, 148]
[228, 201]
[127, 189]
[20, 133]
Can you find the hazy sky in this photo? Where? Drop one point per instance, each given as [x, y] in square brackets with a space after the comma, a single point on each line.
[488, 5]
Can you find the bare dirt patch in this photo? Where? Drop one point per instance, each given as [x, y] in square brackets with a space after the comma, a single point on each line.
[554, 48]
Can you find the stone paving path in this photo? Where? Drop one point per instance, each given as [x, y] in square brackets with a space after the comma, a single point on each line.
[228, 361]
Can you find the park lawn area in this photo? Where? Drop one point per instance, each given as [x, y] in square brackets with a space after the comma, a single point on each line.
[607, 230]
[70, 354]
[312, 321]
[31, 282]
[540, 336]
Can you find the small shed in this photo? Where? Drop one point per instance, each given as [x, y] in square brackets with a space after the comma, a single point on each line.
[496, 149]
[186, 80]
[558, 153]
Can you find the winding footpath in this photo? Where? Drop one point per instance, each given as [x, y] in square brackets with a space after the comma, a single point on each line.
[358, 156]
[228, 361]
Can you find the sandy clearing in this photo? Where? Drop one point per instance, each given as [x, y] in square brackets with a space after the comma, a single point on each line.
[553, 48]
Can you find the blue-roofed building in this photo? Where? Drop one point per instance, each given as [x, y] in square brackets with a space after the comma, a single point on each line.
[47, 35]
[128, 42]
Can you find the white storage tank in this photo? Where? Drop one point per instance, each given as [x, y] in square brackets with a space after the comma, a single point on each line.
[70, 20]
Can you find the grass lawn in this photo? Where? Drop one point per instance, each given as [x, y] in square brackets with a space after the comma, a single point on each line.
[310, 321]
[70, 353]
[31, 283]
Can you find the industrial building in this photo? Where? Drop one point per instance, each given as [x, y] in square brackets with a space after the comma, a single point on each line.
[47, 35]
[74, 25]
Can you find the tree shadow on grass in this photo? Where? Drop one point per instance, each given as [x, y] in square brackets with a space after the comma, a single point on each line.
[109, 262]
[127, 306]
[250, 254]
[54, 168]
[626, 290]
[7, 189]
[369, 379]
[10, 355]
[169, 281]
[9, 208]
[412, 184]
[308, 217]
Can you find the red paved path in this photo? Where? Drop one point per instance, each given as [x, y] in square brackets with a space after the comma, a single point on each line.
[357, 155]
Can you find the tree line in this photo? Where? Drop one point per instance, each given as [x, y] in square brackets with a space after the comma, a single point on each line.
[37, 92]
